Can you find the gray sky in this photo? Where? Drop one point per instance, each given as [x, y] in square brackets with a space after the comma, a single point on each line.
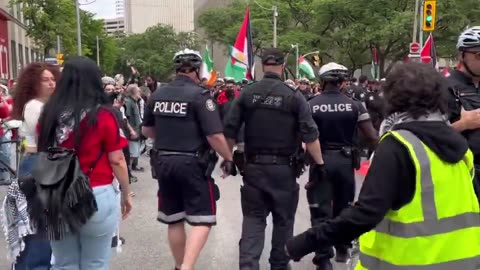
[102, 8]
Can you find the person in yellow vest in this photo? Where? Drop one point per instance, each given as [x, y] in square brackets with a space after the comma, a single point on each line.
[417, 209]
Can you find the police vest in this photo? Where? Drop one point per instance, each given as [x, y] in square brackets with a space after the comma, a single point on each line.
[439, 229]
[176, 125]
[270, 123]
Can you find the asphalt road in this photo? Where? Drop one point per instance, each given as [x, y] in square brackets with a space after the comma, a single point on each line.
[146, 240]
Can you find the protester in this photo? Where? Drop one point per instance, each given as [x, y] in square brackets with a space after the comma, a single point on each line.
[79, 116]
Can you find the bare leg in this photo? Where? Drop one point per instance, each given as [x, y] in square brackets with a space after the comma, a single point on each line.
[177, 238]
[197, 239]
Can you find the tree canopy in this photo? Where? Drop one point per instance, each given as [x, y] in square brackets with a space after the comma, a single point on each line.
[342, 30]
[152, 52]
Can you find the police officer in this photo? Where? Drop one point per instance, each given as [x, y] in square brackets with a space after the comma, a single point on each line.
[337, 118]
[276, 119]
[305, 88]
[185, 123]
[464, 91]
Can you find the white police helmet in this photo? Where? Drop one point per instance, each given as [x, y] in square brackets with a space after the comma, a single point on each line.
[469, 38]
[187, 59]
[333, 72]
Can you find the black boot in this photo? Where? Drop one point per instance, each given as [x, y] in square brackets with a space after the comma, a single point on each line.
[341, 255]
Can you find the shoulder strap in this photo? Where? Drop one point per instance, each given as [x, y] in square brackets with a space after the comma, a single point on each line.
[94, 163]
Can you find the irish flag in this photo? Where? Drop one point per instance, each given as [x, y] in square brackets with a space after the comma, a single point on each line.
[241, 53]
[207, 66]
[306, 67]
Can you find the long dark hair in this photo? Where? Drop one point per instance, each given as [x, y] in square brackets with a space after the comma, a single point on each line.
[28, 85]
[79, 90]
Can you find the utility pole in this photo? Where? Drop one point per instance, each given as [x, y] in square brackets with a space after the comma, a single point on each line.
[98, 52]
[275, 14]
[59, 49]
[415, 22]
[297, 71]
[79, 28]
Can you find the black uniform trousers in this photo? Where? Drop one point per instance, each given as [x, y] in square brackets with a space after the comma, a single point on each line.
[327, 199]
[267, 189]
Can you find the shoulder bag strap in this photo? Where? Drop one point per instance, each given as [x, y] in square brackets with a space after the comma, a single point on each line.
[94, 163]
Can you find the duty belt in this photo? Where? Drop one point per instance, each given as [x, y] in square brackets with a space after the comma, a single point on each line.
[335, 148]
[176, 153]
[269, 159]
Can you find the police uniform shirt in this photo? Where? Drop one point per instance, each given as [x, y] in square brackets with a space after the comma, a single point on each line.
[460, 84]
[284, 114]
[337, 116]
[183, 114]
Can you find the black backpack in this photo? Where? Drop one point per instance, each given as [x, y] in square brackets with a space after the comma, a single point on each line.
[59, 195]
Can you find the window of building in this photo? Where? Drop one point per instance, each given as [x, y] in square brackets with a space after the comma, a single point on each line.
[19, 11]
[20, 56]
[15, 66]
[27, 56]
[32, 56]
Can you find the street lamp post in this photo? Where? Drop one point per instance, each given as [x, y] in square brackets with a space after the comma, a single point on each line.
[79, 29]
[275, 14]
[297, 71]
[315, 52]
[98, 51]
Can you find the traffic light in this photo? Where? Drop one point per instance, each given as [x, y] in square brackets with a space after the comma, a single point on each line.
[60, 58]
[429, 12]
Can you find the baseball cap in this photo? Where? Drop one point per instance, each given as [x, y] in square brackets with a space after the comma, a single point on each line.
[273, 57]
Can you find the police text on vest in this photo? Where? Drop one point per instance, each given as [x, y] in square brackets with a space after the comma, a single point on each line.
[171, 108]
[332, 108]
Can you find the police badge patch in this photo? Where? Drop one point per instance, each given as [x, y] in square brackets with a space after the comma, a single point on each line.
[210, 105]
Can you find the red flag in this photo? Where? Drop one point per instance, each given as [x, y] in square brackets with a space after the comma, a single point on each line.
[428, 53]
[242, 50]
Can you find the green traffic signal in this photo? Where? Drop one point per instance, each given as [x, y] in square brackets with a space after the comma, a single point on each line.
[429, 18]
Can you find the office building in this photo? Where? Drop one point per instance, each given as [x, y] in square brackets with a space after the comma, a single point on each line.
[115, 26]
[120, 8]
[16, 49]
[142, 14]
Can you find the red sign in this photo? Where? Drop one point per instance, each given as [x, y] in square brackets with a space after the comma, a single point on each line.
[414, 47]
[4, 71]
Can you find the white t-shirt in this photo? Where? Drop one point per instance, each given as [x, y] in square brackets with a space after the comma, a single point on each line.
[31, 113]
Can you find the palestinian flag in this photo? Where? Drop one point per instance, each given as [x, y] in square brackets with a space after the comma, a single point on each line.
[306, 67]
[428, 53]
[241, 53]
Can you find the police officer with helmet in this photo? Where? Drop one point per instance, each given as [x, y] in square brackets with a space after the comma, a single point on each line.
[277, 119]
[185, 123]
[337, 117]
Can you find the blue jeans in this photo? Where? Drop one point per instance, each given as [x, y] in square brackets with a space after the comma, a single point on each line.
[37, 252]
[90, 248]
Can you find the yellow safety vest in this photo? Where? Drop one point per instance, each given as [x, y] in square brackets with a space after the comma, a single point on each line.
[439, 229]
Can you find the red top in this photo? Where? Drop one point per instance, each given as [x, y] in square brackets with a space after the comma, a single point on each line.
[106, 133]
[5, 112]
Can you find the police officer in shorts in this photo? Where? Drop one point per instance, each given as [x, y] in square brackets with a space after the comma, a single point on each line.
[337, 117]
[277, 119]
[185, 124]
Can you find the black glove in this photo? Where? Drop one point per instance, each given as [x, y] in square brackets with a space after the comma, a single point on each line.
[229, 167]
[319, 174]
[300, 246]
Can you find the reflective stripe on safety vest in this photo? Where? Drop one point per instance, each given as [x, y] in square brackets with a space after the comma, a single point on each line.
[439, 229]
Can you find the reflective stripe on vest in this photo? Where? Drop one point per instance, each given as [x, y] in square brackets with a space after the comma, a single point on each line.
[411, 244]
[369, 262]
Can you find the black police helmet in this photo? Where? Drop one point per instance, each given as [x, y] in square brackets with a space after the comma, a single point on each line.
[273, 57]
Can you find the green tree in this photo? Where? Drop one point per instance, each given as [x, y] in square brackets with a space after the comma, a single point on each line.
[48, 18]
[343, 30]
[152, 52]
